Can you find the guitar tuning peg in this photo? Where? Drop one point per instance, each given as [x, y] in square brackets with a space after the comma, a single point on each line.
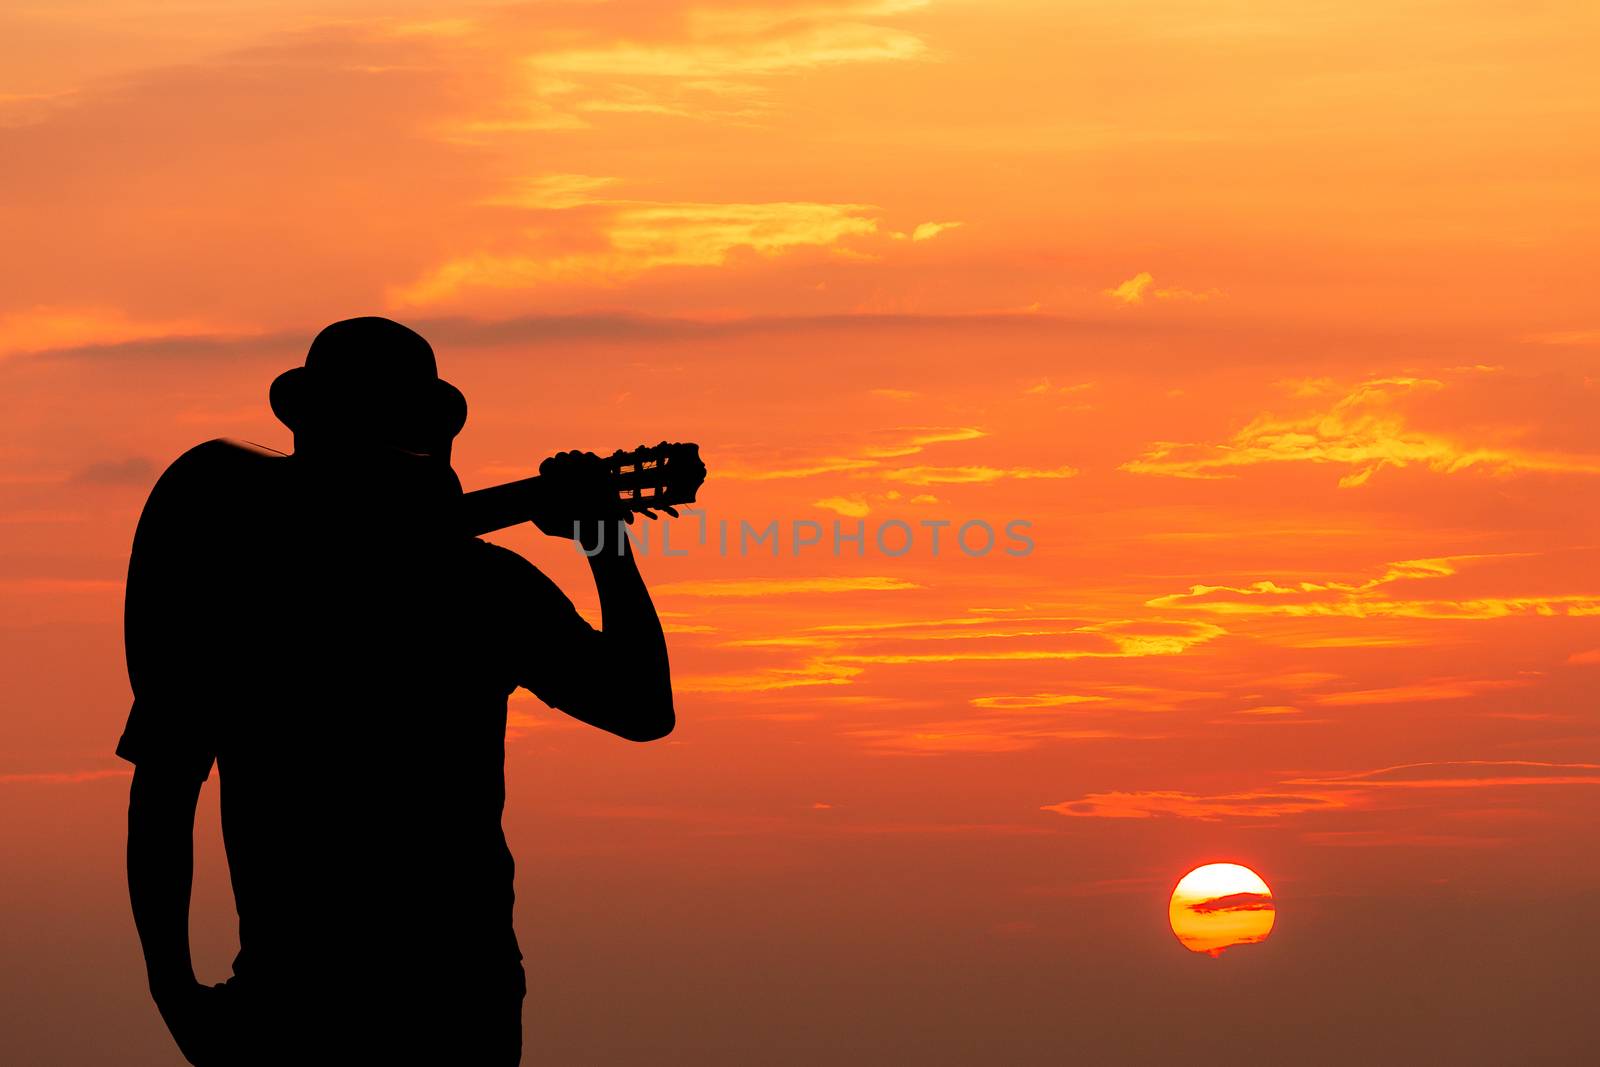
[648, 512]
[671, 511]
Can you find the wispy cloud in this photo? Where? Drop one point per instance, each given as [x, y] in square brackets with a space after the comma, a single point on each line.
[1234, 902]
[814, 672]
[974, 474]
[927, 231]
[1318, 794]
[852, 508]
[62, 777]
[1365, 430]
[52, 327]
[724, 51]
[871, 458]
[1578, 338]
[1110, 640]
[762, 587]
[978, 735]
[1151, 805]
[1025, 701]
[1374, 598]
[1464, 774]
[1142, 287]
[132, 471]
[635, 236]
[1420, 692]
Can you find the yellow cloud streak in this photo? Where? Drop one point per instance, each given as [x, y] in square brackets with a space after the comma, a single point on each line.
[972, 474]
[1352, 600]
[644, 236]
[761, 587]
[1362, 430]
[1348, 792]
[868, 458]
[803, 48]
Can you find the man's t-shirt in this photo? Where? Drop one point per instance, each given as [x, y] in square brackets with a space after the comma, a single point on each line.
[350, 682]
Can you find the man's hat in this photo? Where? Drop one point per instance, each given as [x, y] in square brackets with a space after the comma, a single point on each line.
[366, 373]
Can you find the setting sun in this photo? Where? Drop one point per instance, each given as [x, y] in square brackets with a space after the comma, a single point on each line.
[1220, 905]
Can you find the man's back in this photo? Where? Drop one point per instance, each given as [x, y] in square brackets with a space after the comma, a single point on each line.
[363, 771]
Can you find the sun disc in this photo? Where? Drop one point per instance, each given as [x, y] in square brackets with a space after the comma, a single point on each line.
[1220, 905]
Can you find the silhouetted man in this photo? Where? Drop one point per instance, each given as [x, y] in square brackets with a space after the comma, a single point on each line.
[318, 626]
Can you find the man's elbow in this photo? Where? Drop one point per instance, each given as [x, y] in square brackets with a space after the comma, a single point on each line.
[650, 727]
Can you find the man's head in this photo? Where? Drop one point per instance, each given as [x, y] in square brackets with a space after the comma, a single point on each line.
[369, 383]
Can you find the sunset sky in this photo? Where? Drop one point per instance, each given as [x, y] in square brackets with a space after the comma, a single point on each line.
[1275, 321]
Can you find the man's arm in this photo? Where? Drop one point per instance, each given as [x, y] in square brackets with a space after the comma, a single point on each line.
[161, 807]
[616, 678]
[630, 686]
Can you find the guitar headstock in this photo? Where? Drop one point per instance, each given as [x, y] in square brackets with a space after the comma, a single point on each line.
[654, 478]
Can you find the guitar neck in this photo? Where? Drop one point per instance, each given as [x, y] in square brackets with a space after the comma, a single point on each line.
[646, 479]
[499, 506]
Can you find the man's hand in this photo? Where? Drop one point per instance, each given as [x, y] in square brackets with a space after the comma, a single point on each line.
[578, 497]
[200, 1018]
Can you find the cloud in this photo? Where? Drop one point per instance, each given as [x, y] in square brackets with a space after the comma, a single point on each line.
[731, 47]
[1373, 599]
[557, 67]
[1132, 291]
[1034, 700]
[850, 508]
[635, 236]
[45, 328]
[1143, 284]
[813, 672]
[1581, 338]
[927, 231]
[133, 471]
[62, 777]
[763, 587]
[466, 331]
[824, 465]
[1420, 692]
[1364, 430]
[554, 192]
[871, 457]
[837, 653]
[1590, 656]
[967, 475]
[1234, 902]
[896, 626]
[1465, 774]
[1152, 805]
[1312, 795]
[1126, 639]
[976, 736]
[1045, 386]
[920, 439]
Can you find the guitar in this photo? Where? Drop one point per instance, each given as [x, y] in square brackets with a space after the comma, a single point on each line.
[204, 514]
[646, 479]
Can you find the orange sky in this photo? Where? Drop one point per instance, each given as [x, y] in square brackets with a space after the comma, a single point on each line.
[1275, 321]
